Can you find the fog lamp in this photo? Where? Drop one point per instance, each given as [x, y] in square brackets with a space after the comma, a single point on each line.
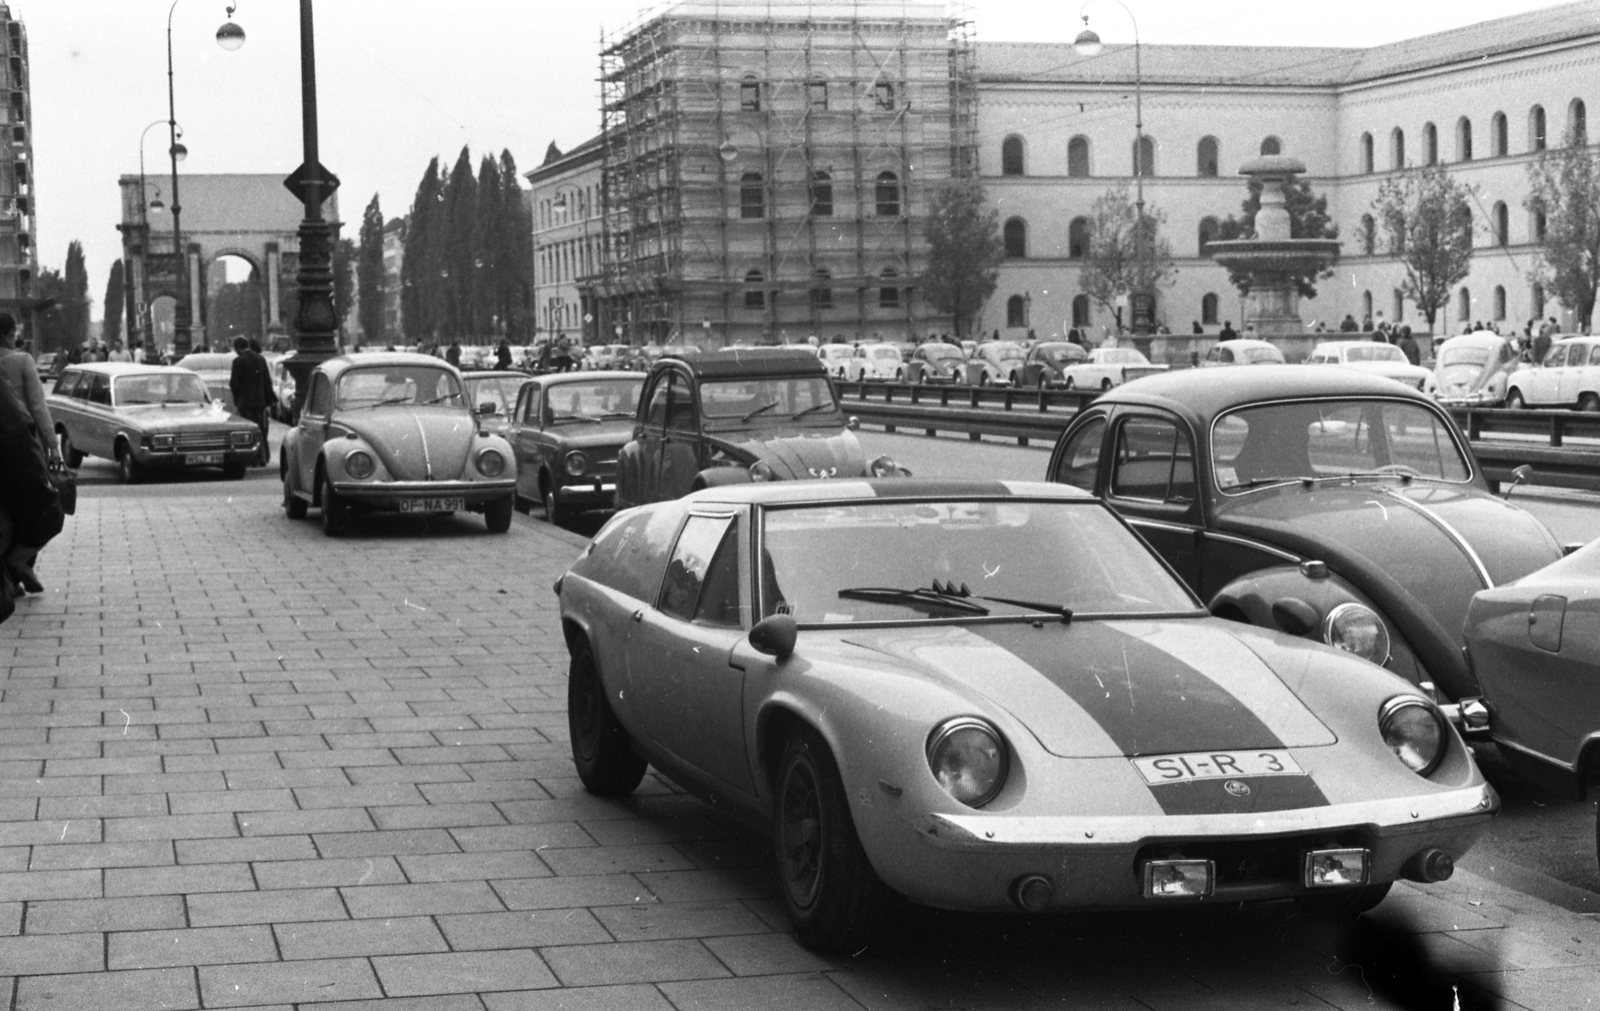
[1356, 628]
[575, 464]
[492, 463]
[1178, 879]
[164, 443]
[359, 465]
[1333, 868]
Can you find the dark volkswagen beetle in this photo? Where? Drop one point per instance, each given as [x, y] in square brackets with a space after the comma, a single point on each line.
[1339, 506]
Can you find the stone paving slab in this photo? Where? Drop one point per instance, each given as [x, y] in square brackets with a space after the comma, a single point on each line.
[284, 771]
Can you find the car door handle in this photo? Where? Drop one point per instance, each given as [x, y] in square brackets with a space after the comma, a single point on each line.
[638, 615]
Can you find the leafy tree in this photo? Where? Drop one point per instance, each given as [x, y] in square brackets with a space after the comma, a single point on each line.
[1308, 219]
[51, 325]
[421, 293]
[369, 274]
[513, 258]
[488, 220]
[1564, 184]
[112, 308]
[1127, 252]
[344, 280]
[460, 213]
[75, 303]
[964, 254]
[1428, 219]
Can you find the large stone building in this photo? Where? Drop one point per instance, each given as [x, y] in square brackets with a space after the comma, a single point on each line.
[19, 256]
[1057, 130]
[567, 236]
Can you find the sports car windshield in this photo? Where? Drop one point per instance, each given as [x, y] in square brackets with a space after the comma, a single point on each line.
[1071, 555]
[397, 385]
[768, 397]
[1254, 447]
[1374, 353]
[1252, 356]
[159, 388]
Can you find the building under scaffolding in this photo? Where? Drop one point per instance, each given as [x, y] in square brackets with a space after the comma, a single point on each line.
[767, 168]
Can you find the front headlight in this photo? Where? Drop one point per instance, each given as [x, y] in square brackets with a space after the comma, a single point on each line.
[1355, 628]
[575, 464]
[1414, 731]
[884, 466]
[492, 463]
[969, 759]
[242, 438]
[359, 465]
[761, 470]
[163, 443]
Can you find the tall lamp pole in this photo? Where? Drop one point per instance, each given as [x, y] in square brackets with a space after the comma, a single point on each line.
[315, 321]
[1088, 44]
[142, 312]
[183, 314]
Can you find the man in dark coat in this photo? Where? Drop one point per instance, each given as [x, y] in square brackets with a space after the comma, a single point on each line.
[453, 355]
[249, 382]
[502, 356]
[1228, 333]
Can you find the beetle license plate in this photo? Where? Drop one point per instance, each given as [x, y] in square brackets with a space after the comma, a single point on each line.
[1216, 765]
[432, 505]
[203, 459]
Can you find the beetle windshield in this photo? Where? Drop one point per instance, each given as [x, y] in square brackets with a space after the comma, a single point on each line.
[934, 352]
[1374, 353]
[1274, 443]
[159, 388]
[1262, 356]
[1068, 554]
[750, 398]
[398, 385]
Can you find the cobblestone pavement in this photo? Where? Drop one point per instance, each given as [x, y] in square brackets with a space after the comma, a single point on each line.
[243, 765]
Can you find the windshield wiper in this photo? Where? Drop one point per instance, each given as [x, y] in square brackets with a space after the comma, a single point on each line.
[807, 410]
[951, 596]
[591, 419]
[759, 410]
[1263, 481]
[383, 403]
[438, 399]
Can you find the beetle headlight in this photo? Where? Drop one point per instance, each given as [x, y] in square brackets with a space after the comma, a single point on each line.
[1414, 730]
[884, 466]
[761, 470]
[492, 463]
[1356, 628]
[359, 465]
[969, 759]
[574, 464]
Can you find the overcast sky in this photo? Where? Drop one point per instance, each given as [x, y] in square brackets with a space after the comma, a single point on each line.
[402, 80]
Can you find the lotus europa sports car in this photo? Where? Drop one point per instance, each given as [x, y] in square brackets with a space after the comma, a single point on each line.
[993, 696]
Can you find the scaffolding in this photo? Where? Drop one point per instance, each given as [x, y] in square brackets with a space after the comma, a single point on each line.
[768, 165]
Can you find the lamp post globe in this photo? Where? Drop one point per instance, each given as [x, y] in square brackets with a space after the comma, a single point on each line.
[230, 36]
[179, 152]
[1088, 43]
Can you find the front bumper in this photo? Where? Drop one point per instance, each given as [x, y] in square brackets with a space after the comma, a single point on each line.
[598, 492]
[175, 460]
[971, 861]
[387, 495]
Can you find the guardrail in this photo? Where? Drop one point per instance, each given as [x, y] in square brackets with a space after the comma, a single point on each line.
[1502, 439]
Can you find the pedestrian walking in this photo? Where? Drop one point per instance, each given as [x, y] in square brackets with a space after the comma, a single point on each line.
[502, 355]
[30, 509]
[1408, 346]
[1228, 333]
[453, 356]
[250, 381]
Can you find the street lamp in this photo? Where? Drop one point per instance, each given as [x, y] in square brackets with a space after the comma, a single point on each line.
[1088, 44]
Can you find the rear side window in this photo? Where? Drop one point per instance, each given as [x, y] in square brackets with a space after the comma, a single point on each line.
[630, 552]
[1594, 354]
[321, 396]
[702, 580]
[66, 384]
[1080, 459]
[1154, 462]
[100, 391]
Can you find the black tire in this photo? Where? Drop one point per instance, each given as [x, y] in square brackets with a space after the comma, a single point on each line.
[522, 505]
[497, 514]
[69, 452]
[1070, 384]
[601, 749]
[235, 471]
[920, 379]
[1105, 384]
[983, 379]
[555, 513]
[335, 514]
[1342, 903]
[131, 469]
[1514, 401]
[293, 505]
[1041, 383]
[1589, 403]
[832, 895]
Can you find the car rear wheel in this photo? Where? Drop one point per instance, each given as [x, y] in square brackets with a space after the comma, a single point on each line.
[497, 515]
[1589, 402]
[128, 465]
[833, 897]
[1514, 401]
[1343, 903]
[69, 452]
[1042, 383]
[335, 514]
[601, 750]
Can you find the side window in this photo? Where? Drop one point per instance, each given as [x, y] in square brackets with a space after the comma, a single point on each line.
[702, 580]
[100, 392]
[680, 410]
[1594, 354]
[1154, 462]
[1080, 460]
[655, 412]
[531, 404]
[321, 396]
[65, 385]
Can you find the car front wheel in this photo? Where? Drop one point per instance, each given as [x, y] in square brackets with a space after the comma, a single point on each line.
[1514, 401]
[69, 452]
[335, 514]
[832, 895]
[293, 505]
[601, 750]
[497, 514]
[128, 465]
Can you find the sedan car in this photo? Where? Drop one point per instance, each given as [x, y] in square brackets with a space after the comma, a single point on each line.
[1046, 364]
[736, 416]
[1471, 369]
[1374, 358]
[936, 362]
[1325, 502]
[1106, 367]
[148, 418]
[992, 696]
[1569, 376]
[566, 430]
[391, 431]
[1244, 352]
[216, 369]
[492, 395]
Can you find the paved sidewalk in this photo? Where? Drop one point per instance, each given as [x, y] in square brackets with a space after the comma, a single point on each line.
[243, 765]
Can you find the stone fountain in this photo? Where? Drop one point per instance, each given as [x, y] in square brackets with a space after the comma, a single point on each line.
[1273, 258]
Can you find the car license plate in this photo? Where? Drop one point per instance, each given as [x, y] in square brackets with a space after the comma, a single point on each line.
[432, 505]
[1216, 765]
[203, 459]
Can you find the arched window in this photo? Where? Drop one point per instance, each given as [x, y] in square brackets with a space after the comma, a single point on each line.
[1499, 302]
[1208, 309]
[750, 93]
[752, 196]
[1463, 306]
[1502, 223]
[1397, 148]
[821, 290]
[1078, 157]
[1080, 310]
[817, 93]
[754, 298]
[1538, 223]
[1016, 311]
[821, 194]
[1206, 157]
[1430, 144]
[1538, 301]
[1016, 238]
[1366, 154]
[1498, 145]
[1144, 156]
[1366, 305]
[1577, 124]
[1011, 156]
[1208, 231]
[1369, 235]
[888, 195]
[1078, 239]
[1271, 145]
[1463, 139]
[889, 294]
[1537, 138]
[1398, 303]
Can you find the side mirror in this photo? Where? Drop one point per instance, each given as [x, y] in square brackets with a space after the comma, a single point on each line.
[1519, 476]
[1294, 615]
[853, 423]
[488, 407]
[774, 635]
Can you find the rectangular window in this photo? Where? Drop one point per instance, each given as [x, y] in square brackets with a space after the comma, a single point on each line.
[1154, 462]
[702, 579]
[883, 96]
[817, 94]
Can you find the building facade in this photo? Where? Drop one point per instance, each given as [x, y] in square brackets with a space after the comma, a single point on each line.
[564, 197]
[1056, 132]
[19, 255]
[394, 255]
